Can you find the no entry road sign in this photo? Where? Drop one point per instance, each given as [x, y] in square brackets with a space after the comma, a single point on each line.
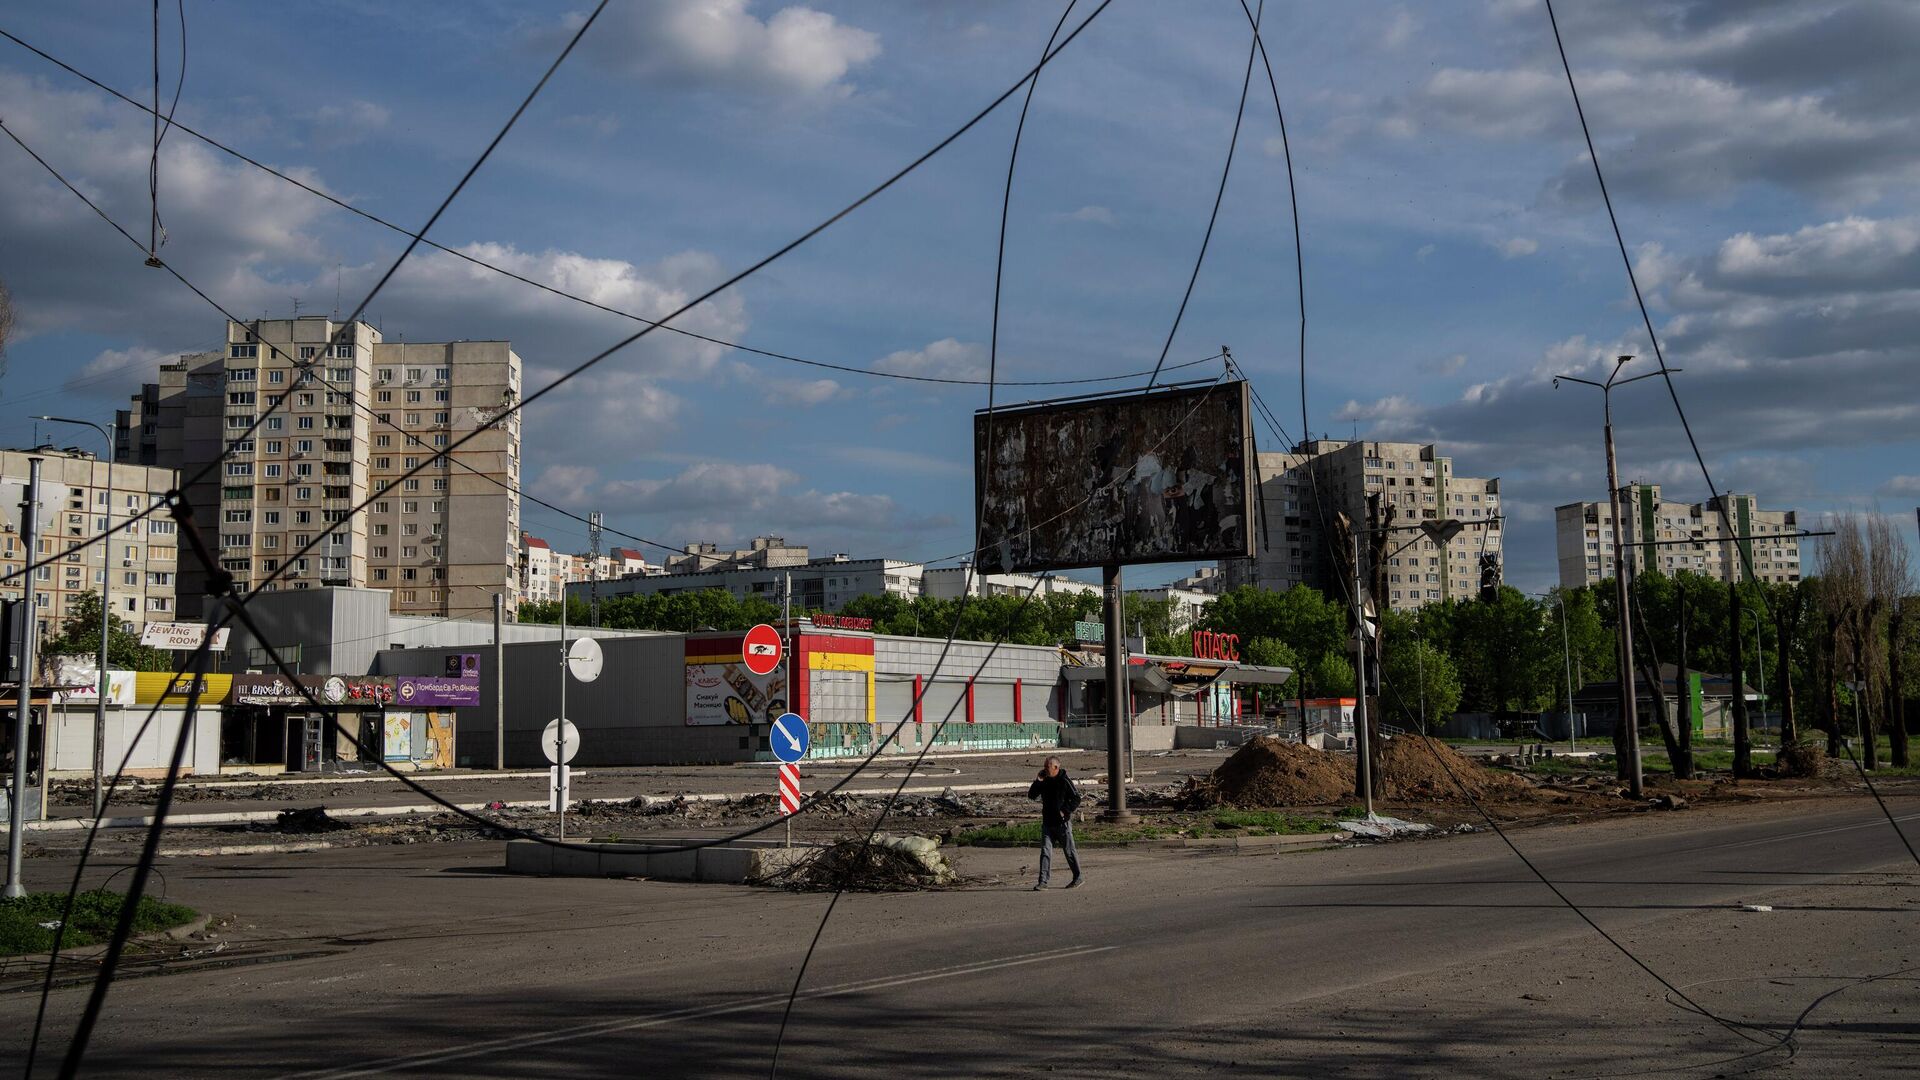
[789, 738]
[761, 651]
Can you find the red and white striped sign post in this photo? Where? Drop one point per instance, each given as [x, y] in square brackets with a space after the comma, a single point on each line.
[789, 795]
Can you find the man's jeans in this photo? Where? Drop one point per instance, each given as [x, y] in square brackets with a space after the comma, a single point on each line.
[1062, 834]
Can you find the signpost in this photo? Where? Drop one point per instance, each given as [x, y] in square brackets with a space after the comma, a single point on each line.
[761, 650]
[182, 635]
[560, 741]
[790, 740]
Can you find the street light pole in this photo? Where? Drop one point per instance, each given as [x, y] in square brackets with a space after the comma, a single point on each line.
[1566, 656]
[1626, 739]
[106, 618]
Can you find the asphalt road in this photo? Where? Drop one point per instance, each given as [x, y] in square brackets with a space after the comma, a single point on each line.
[1436, 958]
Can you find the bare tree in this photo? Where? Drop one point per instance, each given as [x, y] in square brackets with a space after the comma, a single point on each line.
[6, 324]
[1789, 610]
[1843, 601]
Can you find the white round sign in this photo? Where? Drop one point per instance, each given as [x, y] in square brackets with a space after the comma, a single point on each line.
[584, 659]
[560, 741]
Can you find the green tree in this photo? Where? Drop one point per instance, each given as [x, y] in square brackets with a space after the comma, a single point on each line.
[80, 636]
[1330, 676]
[1272, 652]
[1413, 668]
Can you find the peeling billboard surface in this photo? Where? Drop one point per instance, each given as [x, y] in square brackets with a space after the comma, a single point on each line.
[1160, 476]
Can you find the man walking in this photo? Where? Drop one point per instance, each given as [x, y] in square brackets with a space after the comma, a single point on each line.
[1058, 800]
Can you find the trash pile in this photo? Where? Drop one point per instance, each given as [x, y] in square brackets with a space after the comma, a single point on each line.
[306, 819]
[887, 864]
[1269, 772]
[1416, 767]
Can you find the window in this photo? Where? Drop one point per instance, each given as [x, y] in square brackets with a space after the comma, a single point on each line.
[270, 542]
[443, 395]
[413, 419]
[383, 440]
[304, 446]
[304, 423]
[410, 485]
[380, 573]
[270, 470]
[440, 439]
[158, 603]
[304, 468]
[442, 374]
[409, 507]
[383, 507]
[411, 463]
[242, 374]
[239, 517]
[244, 352]
[383, 463]
[386, 374]
[303, 517]
[277, 377]
[442, 418]
[239, 468]
[410, 574]
[275, 423]
[439, 484]
[342, 351]
[415, 374]
[303, 493]
[379, 552]
[409, 529]
[340, 374]
[304, 400]
[413, 397]
[384, 397]
[130, 577]
[242, 422]
[307, 352]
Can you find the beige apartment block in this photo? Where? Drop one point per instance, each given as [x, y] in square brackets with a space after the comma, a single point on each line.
[359, 415]
[1292, 548]
[1669, 536]
[138, 566]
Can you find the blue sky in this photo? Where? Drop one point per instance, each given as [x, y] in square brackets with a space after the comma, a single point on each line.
[1763, 158]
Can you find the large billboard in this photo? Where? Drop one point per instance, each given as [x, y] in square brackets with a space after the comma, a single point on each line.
[720, 689]
[1158, 476]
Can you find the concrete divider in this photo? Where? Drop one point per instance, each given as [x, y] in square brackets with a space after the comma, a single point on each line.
[733, 864]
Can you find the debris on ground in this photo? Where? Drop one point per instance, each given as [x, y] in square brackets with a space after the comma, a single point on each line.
[1269, 772]
[1384, 828]
[308, 819]
[1805, 758]
[1417, 767]
[887, 864]
[1667, 802]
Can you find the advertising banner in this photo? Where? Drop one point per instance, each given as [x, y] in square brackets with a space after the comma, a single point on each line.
[720, 689]
[181, 635]
[436, 691]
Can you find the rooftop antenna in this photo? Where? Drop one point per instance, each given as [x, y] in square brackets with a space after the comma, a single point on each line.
[296, 306]
[336, 291]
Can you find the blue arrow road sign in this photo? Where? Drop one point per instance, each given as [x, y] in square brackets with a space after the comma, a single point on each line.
[790, 738]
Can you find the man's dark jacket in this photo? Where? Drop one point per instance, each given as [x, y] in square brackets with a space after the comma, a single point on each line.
[1058, 797]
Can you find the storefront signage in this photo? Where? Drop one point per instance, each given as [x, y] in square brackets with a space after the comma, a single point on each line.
[1208, 645]
[842, 622]
[181, 635]
[357, 690]
[437, 691]
[153, 687]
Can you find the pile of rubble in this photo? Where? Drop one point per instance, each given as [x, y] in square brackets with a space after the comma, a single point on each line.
[886, 864]
[1419, 768]
[1269, 772]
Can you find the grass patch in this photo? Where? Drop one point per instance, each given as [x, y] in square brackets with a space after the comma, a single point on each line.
[94, 915]
[1215, 823]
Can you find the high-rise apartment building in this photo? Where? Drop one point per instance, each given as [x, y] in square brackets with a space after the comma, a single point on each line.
[362, 419]
[138, 566]
[1292, 546]
[1672, 536]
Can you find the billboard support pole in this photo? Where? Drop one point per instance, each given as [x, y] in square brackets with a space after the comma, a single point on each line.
[1117, 719]
[23, 716]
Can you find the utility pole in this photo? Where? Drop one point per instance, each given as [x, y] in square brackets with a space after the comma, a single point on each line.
[500, 681]
[1363, 759]
[1566, 657]
[22, 722]
[593, 568]
[106, 615]
[1117, 698]
[1626, 735]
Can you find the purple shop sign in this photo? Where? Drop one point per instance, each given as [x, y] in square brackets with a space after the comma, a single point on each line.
[435, 691]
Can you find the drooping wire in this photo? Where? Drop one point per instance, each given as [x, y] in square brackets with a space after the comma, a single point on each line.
[1744, 550]
[1226, 170]
[993, 371]
[549, 287]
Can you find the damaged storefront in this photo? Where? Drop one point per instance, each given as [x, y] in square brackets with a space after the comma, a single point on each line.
[405, 721]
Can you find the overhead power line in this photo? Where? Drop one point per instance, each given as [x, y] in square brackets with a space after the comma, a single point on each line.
[550, 288]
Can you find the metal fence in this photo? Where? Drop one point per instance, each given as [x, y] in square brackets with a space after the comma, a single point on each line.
[858, 740]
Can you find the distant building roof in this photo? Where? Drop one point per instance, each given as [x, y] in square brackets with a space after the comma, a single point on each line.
[536, 542]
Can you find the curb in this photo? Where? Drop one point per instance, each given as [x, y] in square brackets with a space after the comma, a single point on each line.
[243, 817]
[1232, 842]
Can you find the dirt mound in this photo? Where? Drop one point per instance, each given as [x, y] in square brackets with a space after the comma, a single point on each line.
[1272, 772]
[886, 864]
[1415, 767]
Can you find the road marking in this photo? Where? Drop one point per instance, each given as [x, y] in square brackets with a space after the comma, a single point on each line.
[495, 1046]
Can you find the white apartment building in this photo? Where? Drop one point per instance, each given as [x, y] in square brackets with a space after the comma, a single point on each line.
[361, 419]
[823, 584]
[545, 573]
[950, 582]
[1672, 536]
[138, 566]
[1291, 547]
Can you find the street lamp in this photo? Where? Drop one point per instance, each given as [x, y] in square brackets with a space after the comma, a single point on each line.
[106, 615]
[1566, 656]
[1627, 737]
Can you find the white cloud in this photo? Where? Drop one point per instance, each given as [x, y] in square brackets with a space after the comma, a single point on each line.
[1515, 247]
[719, 44]
[1901, 485]
[1854, 248]
[805, 393]
[1444, 365]
[1425, 252]
[1400, 29]
[567, 485]
[335, 126]
[1095, 215]
[948, 358]
[115, 373]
